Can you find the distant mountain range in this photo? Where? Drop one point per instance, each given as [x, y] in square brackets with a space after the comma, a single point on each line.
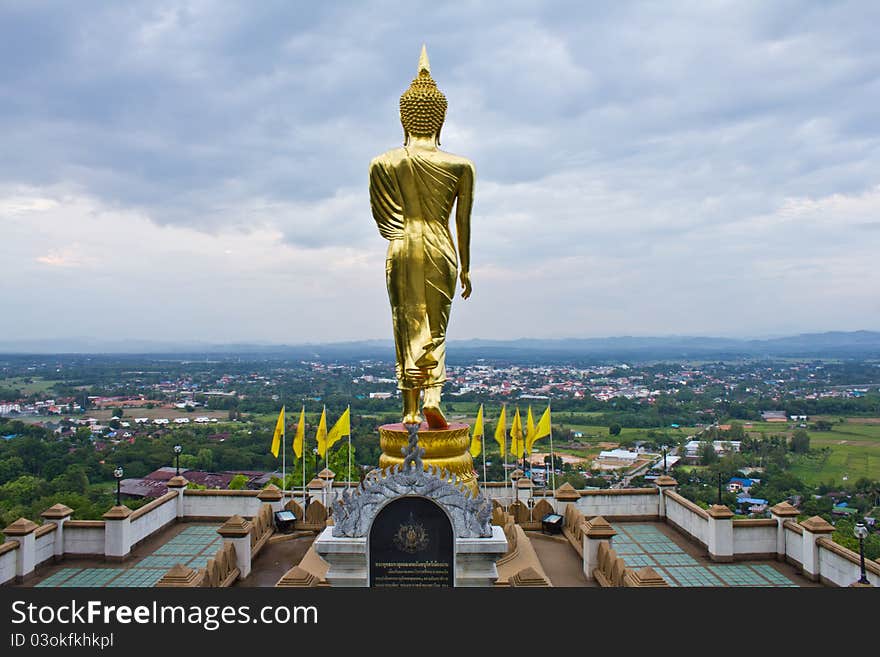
[833, 344]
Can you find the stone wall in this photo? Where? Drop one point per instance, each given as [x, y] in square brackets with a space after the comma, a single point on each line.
[754, 538]
[220, 503]
[152, 517]
[793, 543]
[840, 566]
[7, 561]
[84, 537]
[687, 517]
[45, 543]
[621, 503]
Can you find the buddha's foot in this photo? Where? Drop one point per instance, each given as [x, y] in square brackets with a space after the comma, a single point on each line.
[435, 417]
[411, 407]
[412, 418]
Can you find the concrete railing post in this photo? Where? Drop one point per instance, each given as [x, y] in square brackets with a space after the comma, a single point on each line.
[780, 513]
[664, 483]
[720, 537]
[598, 530]
[272, 496]
[237, 531]
[563, 496]
[525, 485]
[22, 530]
[179, 485]
[814, 529]
[327, 476]
[57, 514]
[117, 533]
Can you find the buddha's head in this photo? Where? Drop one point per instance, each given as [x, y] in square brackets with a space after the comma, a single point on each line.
[423, 105]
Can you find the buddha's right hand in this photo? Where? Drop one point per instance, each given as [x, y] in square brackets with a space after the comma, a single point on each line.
[465, 284]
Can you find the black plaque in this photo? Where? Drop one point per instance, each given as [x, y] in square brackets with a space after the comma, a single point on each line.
[411, 545]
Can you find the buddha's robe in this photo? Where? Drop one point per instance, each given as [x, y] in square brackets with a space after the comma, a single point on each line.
[411, 195]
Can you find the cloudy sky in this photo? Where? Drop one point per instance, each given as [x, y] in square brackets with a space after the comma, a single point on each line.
[198, 170]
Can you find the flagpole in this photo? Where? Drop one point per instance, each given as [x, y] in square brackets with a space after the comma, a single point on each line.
[552, 457]
[303, 459]
[506, 473]
[483, 450]
[283, 453]
[348, 477]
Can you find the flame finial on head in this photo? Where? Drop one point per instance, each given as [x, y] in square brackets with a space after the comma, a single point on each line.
[423, 105]
[424, 64]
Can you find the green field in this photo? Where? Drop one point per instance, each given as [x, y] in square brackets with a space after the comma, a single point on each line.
[599, 433]
[28, 385]
[855, 450]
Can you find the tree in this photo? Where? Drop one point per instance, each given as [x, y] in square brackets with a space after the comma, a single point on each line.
[238, 482]
[205, 459]
[117, 412]
[10, 469]
[614, 430]
[576, 479]
[800, 442]
[736, 431]
[707, 453]
[74, 480]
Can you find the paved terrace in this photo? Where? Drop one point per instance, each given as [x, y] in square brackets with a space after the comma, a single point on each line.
[187, 543]
[653, 527]
[682, 563]
[674, 558]
[678, 561]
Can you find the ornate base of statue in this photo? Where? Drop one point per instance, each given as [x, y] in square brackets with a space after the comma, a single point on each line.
[446, 448]
[412, 526]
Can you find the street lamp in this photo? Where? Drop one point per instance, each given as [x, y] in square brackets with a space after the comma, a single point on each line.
[177, 450]
[861, 533]
[664, 459]
[118, 474]
[719, 489]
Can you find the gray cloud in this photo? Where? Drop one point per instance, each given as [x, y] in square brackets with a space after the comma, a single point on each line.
[637, 162]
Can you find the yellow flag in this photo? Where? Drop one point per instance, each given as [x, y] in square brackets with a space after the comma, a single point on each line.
[321, 436]
[501, 433]
[476, 443]
[543, 428]
[300, 436]
[279, 431]
[530, 431]
[516, 436]
[340, 429]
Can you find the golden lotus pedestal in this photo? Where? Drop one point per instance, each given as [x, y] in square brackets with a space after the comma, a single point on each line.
[446, 448]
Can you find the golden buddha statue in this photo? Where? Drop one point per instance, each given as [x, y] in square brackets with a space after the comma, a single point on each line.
[412, 191]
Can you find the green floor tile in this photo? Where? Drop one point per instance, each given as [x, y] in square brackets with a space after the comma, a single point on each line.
[772, 575]
[739, 575]
[141, 577]
[92, 577]
[57, 578]
[691, 576]
[639, 560]
[680, 559]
